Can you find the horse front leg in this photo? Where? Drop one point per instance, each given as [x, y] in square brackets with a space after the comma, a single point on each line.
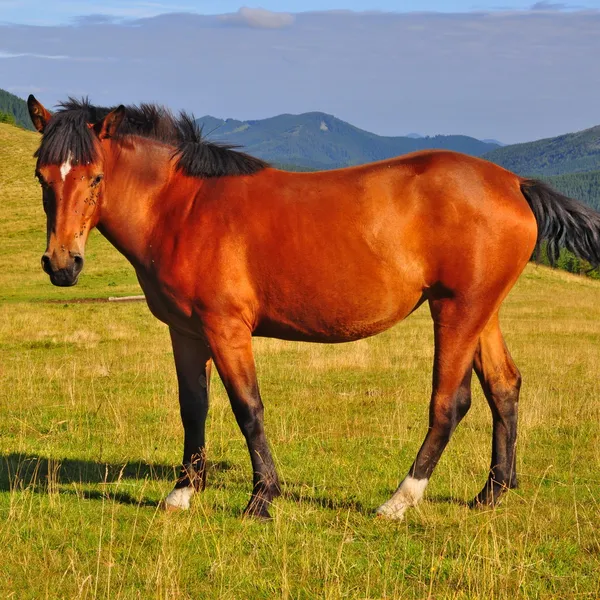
[193, 365]
[231, 345]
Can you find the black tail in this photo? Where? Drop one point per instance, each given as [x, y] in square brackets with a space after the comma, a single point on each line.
[563, 222]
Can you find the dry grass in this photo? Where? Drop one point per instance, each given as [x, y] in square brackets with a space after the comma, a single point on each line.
[90, 431]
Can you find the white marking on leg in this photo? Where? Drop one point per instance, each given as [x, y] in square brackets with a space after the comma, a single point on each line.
[409, 493]
[180, 498]
[66, 167]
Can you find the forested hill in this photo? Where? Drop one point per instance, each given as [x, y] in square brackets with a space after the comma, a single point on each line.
[320, 141]
[15, 106]
[570, 153]
[583, 186]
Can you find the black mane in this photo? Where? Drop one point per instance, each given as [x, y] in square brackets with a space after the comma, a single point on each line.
[199, 158]
[68, 137]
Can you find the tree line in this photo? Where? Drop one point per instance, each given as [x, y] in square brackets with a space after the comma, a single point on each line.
[582, 186]
[13, 110]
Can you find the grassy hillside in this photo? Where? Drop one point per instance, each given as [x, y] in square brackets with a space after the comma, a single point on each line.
[17, 107]
[90, 432]
[571, 153]
[320, 141]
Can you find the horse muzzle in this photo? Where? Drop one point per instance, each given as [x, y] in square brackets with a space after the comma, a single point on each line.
[63, 276]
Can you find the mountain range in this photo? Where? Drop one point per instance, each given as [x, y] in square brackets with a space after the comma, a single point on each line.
[316, 140]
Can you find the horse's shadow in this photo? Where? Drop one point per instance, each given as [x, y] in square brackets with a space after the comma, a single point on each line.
[295, 494]
[442, 499]
[19, 471]
[351, 504]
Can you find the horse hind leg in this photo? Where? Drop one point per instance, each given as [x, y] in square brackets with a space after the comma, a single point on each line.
[456, 332]
[501, 382]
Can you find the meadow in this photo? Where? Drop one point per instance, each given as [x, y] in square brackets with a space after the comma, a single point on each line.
[90, 438]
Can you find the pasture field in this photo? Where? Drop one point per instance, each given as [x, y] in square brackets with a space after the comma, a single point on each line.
[90, 437]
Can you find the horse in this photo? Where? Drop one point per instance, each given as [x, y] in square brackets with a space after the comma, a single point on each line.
[226, 247]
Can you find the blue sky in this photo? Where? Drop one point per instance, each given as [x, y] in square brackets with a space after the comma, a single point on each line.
[63, 11]
[513, 72]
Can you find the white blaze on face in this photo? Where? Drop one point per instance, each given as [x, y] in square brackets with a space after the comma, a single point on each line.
[66, 167]
[409, 493]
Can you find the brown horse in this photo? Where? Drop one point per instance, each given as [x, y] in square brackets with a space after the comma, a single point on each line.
[226, 247]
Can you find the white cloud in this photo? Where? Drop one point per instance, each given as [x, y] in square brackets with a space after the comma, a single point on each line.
[33, 55]
[55, 56]
[258, 18]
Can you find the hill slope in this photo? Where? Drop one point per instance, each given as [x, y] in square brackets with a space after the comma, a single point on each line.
[13, 105]
[570, 153]
[583, 186]
[321, 141]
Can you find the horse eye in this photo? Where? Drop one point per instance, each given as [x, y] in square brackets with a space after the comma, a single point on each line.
[97, 180]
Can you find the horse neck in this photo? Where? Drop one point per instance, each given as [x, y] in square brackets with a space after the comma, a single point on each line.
[134, 176]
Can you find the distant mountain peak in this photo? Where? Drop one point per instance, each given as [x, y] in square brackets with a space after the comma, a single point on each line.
[317, 140]
[492, 141]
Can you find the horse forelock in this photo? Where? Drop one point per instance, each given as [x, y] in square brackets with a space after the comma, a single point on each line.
[67, 137]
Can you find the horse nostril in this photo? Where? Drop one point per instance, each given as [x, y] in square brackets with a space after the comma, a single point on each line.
[46, 264]
[78, 261]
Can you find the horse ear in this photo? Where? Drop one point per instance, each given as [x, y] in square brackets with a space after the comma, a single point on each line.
[109, 125]
[38, 114]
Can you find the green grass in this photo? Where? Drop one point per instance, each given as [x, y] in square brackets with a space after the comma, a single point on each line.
[90, 435]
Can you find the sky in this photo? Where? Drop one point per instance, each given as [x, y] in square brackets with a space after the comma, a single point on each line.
[61, 11]
[504, 69]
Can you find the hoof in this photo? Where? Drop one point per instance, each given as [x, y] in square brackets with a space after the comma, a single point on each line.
[262, 517]
[482, 500]
[258, 509]
[409, 493]
[487, 502]
[490, 495]
[179, 499]
[390, 511]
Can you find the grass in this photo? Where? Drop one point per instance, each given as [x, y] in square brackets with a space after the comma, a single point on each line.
[90, 435]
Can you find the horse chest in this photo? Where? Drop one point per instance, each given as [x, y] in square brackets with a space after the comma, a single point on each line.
[164, 305]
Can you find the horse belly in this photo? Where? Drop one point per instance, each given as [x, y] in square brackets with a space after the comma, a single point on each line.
[342, 315]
